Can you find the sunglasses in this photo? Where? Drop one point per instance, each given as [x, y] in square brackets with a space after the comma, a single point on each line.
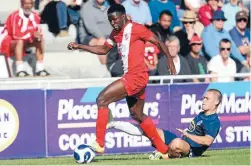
[222, 49]
[242, 19]
[191, 22]
[196, 44]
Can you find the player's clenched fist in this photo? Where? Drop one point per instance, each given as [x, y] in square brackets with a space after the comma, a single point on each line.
[72, 46]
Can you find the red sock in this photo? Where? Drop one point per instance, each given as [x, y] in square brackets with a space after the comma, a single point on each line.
[101, 123]
[150, 131]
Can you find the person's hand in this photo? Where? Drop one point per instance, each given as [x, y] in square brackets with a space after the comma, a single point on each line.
[190, 33]
[183, 132]
[37, 35]
[73, 46]
[245, 63]
[171, 66]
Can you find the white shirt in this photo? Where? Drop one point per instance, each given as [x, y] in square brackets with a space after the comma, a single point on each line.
[216, 65]
[177, 65]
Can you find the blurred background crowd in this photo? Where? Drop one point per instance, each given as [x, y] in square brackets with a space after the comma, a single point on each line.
[203, 36]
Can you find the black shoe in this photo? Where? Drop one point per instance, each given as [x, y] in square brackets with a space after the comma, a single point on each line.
[22, 74]
[42, 73]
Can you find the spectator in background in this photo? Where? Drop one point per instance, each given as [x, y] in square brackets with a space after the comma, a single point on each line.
[181, 64]
[222, 64]
[58, 15]
[206, 12]
[197, 62]
[95, 27]
[240, 34]
[98, 28]
[214, 33]
[191, 26]
[138, 11]
[230, 9]
[243, 7]
[162, 28]
[157, 6]
[22, 31]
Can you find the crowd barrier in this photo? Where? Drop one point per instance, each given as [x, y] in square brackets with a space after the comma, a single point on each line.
[44, 122]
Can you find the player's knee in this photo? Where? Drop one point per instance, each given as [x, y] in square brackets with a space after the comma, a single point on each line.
[101, 101]
[136, 115]
[133, 113]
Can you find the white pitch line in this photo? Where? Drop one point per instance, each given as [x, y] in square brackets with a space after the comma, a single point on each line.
[186, 120]
[76, 125]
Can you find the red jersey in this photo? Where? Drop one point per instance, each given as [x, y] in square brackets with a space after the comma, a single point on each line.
[18, 27]
[131, 46]
[205, 14]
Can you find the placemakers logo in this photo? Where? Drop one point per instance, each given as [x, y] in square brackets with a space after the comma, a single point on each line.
[9, 124]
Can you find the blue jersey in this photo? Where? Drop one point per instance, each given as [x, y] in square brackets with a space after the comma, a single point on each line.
[202, 125]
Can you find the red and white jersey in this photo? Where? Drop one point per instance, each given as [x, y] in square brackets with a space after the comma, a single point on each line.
[131, 46]
[19, 26]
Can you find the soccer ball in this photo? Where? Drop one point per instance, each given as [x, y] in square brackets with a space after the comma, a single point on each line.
[84, 154]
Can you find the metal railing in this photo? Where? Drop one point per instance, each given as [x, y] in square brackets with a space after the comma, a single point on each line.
[66, 83]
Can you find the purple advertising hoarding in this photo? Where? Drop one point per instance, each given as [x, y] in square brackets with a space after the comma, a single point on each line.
[71, 117]
[22, 124]
[234, 112]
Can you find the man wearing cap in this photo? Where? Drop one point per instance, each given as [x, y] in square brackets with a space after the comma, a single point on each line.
[191, 27]
[240, 34]
[230, 9]
[214, 33]
[197, 63]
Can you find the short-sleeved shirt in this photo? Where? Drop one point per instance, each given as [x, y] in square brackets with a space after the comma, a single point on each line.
[197, 65]
[216, 65]
[202, 125]
[238, 38]
[139, 13]
[131, 41]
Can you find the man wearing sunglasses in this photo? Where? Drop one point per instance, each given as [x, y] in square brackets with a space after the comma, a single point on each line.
[240, 34]
[214, 33]
[222, 64]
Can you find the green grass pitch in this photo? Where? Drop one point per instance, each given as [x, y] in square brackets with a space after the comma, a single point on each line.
[211, 157]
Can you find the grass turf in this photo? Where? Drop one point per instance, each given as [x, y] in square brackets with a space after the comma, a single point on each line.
[212, 157]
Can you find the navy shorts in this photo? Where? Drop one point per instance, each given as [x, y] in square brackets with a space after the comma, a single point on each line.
[169, 137]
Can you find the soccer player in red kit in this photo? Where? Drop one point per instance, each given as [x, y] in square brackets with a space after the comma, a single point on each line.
[130, 39]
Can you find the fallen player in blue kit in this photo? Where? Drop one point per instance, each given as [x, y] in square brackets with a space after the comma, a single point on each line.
[195, 141]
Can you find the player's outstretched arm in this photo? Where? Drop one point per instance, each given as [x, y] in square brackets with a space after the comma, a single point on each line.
[99, 50]
[164, 49]
[202, 140]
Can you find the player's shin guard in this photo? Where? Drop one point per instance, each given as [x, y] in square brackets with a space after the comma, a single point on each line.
[103, 115]
[150, 131]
